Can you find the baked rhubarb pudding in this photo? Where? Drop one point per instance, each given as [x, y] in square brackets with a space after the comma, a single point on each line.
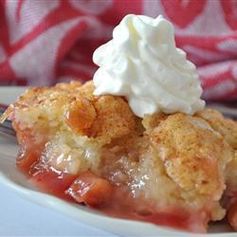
[137, 141]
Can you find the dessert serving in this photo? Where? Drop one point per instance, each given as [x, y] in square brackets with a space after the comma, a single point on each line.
[136, 142]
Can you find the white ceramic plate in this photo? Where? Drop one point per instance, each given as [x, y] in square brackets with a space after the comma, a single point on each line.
[12, 178]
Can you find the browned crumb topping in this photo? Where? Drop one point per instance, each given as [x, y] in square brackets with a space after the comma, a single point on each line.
[172, 159]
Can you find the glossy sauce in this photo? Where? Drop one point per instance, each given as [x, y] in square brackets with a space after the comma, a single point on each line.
[99, 193]
[117, 203]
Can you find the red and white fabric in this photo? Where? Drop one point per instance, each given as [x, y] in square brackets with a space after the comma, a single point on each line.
[47, 41]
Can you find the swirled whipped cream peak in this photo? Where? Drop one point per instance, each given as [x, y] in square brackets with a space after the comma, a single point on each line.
[141, 63]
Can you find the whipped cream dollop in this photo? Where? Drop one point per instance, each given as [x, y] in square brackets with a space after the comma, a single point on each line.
[142, 63]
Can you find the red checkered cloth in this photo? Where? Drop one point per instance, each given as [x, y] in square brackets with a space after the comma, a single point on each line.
[47, 41]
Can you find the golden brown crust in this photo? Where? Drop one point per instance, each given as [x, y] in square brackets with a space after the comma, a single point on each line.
[80, 115]
[106, 117]
[194, 156]
[170, 159]
[114, 118]
[151, 121]
[226, 127]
